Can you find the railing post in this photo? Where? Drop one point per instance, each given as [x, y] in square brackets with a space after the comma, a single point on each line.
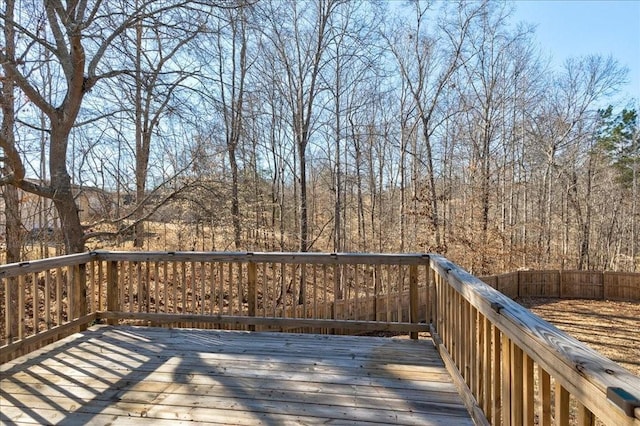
[79, 294]
[252, 278]
[413, 297]
[113, 301]
[337, 282]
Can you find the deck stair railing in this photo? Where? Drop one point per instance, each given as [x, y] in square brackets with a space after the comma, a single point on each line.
[511, 367]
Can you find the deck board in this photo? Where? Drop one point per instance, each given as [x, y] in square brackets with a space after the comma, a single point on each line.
[125, 375]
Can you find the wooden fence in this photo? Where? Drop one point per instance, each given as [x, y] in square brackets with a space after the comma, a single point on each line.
[568, 284]
[511, 367]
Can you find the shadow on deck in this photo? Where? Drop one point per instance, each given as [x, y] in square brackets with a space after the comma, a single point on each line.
[143, 375]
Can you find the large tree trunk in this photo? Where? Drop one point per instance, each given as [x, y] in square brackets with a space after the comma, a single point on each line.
[12, 223]
[10, 193]
[63, 199]
[141, 160]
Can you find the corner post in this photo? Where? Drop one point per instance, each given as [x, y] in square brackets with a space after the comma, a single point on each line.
[80, 292]
[413, 297]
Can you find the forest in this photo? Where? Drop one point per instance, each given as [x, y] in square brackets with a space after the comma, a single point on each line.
[320, 125]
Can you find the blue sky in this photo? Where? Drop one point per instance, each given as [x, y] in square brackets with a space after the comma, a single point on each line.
[576, 28]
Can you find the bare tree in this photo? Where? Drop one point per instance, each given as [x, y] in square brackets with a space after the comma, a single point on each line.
[427, 61]
[161, 69]
[230, 55]
[69, 27]
[7, 100]
[81, 39]
[564, 126]
[486, 94]
[300, 49]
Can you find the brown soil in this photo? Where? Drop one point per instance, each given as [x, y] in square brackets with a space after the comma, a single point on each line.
[610, 327]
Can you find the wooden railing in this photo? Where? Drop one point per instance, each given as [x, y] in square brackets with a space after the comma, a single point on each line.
[517, 368]
[294, 291]
[512, 367]
[267, 290]
[44, 300]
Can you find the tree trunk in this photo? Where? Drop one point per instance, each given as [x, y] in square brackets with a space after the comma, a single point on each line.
[10, 193]
[435, 222]
[337, 236]
[362, 236]
[235, 208]
[64, 199]
[141, 164]
[304, 220]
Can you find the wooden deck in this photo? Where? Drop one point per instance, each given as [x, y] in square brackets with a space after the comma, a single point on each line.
[126, 375]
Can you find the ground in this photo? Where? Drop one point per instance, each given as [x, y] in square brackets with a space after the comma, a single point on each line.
[610, 327]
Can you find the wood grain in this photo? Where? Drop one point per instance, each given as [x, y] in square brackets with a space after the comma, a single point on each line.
[581, 371]
[130, 374]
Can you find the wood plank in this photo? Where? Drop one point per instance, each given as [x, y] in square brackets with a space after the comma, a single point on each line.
[257, 257]
[507, 394]
[88, 362]
[413, 297]
[267, 321]
[35, 302]
[562, 405]
[119, 374]
[517, 403]
[477, 414]
[58, 296]
[124, 414]
[21, 300]
[173, 394]
[183, 373]
[21, 268]
[545, 397]
[385, 357]
[488, 374]
[528, 387]
[585, 417]
[47, 299]
[59, 385]
[113, 302]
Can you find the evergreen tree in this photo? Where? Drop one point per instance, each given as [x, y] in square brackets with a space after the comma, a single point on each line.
[618, 137]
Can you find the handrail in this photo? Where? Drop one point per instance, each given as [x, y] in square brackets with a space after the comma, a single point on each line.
[503, 340]
[33, 266]
[259, 257]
